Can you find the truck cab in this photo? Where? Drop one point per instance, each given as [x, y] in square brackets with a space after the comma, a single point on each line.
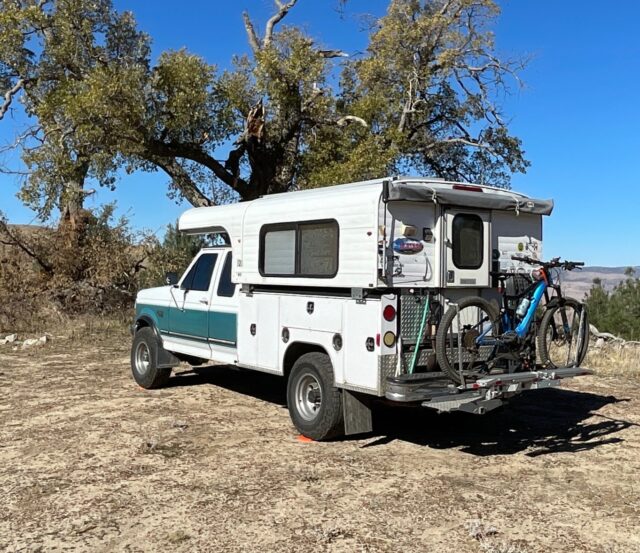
[195, 318]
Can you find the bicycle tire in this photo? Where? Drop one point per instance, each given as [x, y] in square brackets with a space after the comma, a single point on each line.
[543, 337]
[442, 336]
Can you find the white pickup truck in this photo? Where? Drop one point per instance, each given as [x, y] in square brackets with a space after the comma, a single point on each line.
[328, 287]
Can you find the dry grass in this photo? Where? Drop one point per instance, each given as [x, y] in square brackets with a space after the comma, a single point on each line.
[91, 462]
[615, 360]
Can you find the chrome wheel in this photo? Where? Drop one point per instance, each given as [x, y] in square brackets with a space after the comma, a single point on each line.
[142, 358]
[308, 397]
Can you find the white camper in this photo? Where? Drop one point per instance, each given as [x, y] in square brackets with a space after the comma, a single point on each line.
[341, 291]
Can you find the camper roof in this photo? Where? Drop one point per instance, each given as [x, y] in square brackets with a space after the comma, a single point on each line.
[228, 218]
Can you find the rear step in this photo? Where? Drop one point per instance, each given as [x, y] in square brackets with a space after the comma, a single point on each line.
[436, 391]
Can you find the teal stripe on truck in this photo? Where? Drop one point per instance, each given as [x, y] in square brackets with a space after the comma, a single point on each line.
[157, 313]
[223, 326]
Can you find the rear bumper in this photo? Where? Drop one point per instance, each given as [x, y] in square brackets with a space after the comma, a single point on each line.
[478, 397]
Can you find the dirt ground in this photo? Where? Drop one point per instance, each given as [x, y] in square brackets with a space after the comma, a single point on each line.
[91, 462]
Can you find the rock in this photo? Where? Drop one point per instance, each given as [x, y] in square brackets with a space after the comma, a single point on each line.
[600, 342]
[34, 342]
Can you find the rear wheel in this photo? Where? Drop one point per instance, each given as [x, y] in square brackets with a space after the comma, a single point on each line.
[474, 344]
[315, 404]
[562, 341]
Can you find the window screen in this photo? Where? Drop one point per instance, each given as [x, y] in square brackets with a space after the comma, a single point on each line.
[468, 241]
[300, 249]
[199, 277]
[319, 249]
[226, 288]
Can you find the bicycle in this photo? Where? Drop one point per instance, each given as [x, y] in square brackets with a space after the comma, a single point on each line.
[476, 337]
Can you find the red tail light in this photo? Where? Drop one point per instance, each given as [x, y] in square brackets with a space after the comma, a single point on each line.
[389, 313]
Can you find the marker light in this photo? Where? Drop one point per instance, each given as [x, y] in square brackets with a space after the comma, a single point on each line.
[389, 313]
[467, 187]
[389, 339]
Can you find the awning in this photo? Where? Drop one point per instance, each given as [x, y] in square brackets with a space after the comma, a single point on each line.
[487, 199]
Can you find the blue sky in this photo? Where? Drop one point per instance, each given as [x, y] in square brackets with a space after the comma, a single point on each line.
[577, 114]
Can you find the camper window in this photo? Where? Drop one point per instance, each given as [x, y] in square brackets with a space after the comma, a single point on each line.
[307, 249]
[468, 241]
[279, 247]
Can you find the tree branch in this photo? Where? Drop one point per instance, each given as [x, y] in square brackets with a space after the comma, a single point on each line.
[328, 54]
[352, 119]
[14, 240]
[251, 33]
[8, 97]
[283, 9]
[195, 153]
[182, 181]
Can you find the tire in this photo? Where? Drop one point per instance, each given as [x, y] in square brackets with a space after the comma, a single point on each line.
[546, 339]
[144, 355]
[446, 348]
[315, 404]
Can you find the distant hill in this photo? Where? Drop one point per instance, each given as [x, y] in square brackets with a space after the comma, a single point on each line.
[578, 283]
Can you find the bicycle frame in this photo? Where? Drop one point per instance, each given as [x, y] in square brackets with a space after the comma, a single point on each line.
[523, 327]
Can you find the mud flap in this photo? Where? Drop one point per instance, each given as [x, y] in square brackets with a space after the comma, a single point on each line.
[166, 359]
[357, 414]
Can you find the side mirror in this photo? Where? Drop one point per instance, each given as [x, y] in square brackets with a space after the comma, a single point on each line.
[171, 278]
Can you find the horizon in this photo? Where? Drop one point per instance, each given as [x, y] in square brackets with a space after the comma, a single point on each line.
[575, 115]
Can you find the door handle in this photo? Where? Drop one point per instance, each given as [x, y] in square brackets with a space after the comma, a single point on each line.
[206, 302]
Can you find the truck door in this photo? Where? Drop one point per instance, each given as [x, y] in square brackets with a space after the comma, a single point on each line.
[189, 313]
[467, 248]
[223, 312]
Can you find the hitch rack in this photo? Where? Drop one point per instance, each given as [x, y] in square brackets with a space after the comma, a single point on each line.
[437, 392]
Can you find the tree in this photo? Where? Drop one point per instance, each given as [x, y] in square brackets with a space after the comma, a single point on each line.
[423, 97]
[52, 52]
[429, 87]
[617, 311]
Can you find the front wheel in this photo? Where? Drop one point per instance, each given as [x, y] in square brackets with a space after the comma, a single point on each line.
[144, 355]
[466, 337]
[563, 336]
[315, 404]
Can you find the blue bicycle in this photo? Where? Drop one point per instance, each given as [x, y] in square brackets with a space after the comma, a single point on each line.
[476, 337]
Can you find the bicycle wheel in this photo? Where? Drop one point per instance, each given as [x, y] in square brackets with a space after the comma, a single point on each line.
[560, 342]
[466, 336]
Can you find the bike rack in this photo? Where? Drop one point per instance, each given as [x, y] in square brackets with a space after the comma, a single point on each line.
[460, 365]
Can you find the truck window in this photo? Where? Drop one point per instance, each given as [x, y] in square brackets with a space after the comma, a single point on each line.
[226, 288]
[468, 241]
[308, 248]
[199, 277]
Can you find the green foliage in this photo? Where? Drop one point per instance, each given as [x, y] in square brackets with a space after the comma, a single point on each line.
[429, 87]
[617, 311]
[424, 98]
[174, 253]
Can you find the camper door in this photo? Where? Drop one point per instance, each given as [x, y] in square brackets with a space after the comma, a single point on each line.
[467, 248]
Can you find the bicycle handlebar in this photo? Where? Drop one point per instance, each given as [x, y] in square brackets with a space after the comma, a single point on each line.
[555, 262]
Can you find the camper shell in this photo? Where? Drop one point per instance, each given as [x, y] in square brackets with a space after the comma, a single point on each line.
[342, 272]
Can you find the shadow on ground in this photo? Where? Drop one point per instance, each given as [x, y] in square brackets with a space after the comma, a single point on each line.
[537, 422]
